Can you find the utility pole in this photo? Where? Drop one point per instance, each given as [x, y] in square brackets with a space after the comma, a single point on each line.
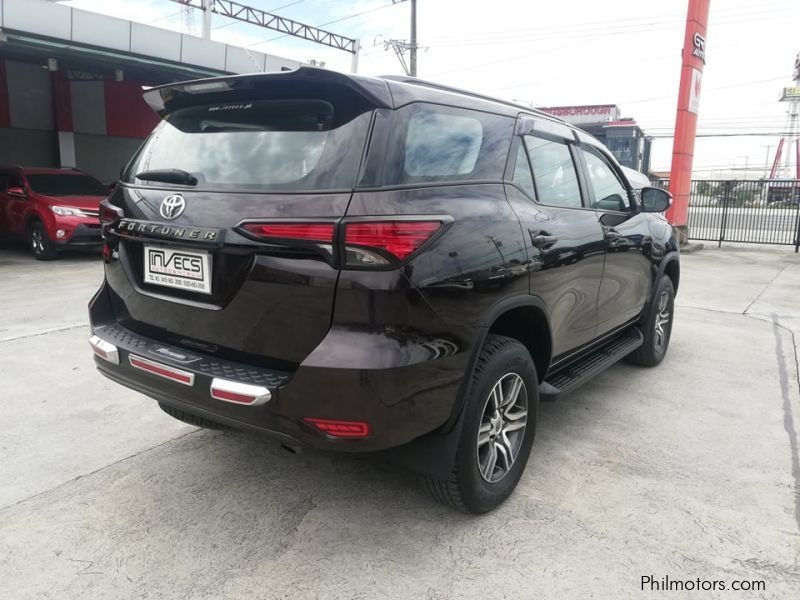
[413, 45]
[400, 47]
[208, 7]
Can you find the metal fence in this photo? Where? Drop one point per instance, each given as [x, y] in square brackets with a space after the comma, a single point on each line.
[750, 211]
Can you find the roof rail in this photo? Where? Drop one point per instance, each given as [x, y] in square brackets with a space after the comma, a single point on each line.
[455, 90]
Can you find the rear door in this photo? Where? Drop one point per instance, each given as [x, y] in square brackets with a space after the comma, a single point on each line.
[563, 236]
[231, 252]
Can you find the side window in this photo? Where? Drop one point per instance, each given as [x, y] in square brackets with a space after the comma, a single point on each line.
[522, 173]
[554, 173]
[430, 143]
[609, 193]
[4, 177]
[439, 144]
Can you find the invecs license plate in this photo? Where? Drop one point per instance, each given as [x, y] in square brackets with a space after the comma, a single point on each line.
[180, 269]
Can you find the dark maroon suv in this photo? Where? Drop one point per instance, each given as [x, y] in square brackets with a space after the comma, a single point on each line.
[362, 264]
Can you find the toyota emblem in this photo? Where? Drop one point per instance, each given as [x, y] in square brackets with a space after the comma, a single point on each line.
[172, 206]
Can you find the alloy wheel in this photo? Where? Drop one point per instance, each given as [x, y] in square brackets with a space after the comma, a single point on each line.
[662, 320]
[502, 428]
[37, 243]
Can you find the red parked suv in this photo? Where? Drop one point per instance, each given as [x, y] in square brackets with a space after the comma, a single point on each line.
[51, 208]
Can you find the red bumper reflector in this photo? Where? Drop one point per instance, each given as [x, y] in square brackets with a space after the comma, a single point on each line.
[239, 393]
[162, 370]
[339, 428]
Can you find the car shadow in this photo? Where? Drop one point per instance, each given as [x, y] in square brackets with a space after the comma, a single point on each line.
[234, 509]
[17, 252]
[245, 470]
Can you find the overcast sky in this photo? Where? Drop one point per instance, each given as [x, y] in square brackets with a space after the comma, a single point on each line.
[567, 52]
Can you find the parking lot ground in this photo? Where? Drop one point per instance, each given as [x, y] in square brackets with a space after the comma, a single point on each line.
[690, 470]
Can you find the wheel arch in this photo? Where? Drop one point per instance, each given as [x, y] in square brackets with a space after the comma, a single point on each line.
[522, 317]
[32, 218]
[671, 267]
[525, 320]
[433, 454]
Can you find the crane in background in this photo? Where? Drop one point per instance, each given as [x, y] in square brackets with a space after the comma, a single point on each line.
[792, 129]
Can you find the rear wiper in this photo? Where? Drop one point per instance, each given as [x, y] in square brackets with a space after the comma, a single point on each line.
[178, 176]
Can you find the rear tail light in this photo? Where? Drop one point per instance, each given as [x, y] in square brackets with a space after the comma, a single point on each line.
[310, 232]
[239, 393]
[109, 213]
[366, 243]
[335, 428]
[369, 243]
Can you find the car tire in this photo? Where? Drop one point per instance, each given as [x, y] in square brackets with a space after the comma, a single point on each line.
[39, 242]
[192, 419]
[657, 326]
[486, 429]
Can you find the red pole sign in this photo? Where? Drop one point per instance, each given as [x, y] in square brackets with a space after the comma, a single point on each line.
[694, 59]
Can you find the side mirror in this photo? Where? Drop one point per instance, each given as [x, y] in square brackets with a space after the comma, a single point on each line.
[655, 199]
[16, 192]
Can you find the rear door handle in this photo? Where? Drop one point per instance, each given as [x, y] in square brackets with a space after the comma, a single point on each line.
[542, 241]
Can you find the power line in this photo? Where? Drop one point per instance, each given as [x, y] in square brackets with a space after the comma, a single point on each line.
[726, 135]
[598, 33]
[592, 28]
[561, 28]
[725, 87]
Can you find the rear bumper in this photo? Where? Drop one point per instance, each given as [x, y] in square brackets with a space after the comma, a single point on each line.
[400, 403]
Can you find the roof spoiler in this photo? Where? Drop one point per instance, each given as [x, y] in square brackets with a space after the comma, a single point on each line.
[165, 99]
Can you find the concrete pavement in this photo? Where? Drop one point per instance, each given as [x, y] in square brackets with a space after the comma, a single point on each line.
[689, 470]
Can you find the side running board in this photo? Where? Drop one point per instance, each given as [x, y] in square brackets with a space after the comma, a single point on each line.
[573, 375]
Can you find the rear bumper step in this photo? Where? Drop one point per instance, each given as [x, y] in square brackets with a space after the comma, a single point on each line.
[572, 376]
[232, 382]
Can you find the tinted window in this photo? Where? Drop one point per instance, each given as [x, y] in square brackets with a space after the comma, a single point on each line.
[432, 143]
[522, 172]
[553, 172]
[441, 145]
[609, 193]
[56, 184]
[4, 177]
[259, 144]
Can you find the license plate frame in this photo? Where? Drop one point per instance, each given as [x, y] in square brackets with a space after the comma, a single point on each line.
[177, 268]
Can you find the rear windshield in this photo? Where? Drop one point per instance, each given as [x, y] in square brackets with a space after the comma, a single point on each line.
[66, 185]
[258, 145]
